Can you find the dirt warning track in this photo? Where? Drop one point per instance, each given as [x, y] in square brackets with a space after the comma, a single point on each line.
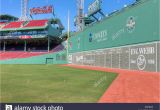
[129, 86]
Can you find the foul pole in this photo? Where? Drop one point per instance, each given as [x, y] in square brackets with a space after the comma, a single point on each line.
[68, 33]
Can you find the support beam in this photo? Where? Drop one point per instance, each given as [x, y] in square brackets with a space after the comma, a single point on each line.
[95, 18]
[25, 45]
[102, 13]
[4, 46]
[48, 44]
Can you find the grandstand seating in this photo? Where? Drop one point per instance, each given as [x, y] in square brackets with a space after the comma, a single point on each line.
[16, 24]
[19, 24]
[58, 48]
[13, 55]
[21, 54]
[36, 23]
[2, 24]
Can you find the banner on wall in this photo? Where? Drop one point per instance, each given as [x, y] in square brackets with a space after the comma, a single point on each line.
[41, 10]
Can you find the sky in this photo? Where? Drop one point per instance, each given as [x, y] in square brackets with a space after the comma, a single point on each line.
[61, 8]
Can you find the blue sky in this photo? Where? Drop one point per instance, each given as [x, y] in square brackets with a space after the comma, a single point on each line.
[61, 7]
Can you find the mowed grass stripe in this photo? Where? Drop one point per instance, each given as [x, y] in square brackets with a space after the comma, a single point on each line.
[52, 83]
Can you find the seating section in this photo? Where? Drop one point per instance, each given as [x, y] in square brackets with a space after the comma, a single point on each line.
[21, 54]
[19, 24]
[58, 48]
[2, 24]
[13, 55]
[16, 24]
[36, 23]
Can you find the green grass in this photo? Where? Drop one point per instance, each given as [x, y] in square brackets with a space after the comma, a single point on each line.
[51, 83]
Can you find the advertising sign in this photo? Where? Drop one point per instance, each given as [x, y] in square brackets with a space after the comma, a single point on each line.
[25, 37]
[94, 7]
[41, 10]
[143, 57]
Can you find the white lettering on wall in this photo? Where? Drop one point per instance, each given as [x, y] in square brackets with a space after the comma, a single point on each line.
[100, 36]
[146, 51]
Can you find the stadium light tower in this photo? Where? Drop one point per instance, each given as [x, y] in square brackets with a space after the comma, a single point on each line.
[24, 10]
[80, 15]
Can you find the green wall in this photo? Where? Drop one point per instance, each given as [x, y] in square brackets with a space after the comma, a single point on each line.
[58, 58]
[115, 31]
[158, 17]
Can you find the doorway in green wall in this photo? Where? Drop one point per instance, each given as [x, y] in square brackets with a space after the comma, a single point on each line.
[49, 60]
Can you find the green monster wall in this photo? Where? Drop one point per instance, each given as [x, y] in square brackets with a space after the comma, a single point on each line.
[134, 24]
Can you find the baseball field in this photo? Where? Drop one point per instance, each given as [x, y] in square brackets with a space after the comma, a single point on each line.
[52, 83]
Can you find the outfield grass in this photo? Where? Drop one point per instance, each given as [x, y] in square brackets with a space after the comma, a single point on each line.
[51, 83]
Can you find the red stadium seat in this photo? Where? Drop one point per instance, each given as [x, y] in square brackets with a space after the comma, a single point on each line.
[13, 55]
[21, 54]
[16, 24]
[2, 24]
[37, 23]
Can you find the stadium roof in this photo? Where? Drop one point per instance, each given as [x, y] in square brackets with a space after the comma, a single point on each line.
[31, 25]
[8, 17]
